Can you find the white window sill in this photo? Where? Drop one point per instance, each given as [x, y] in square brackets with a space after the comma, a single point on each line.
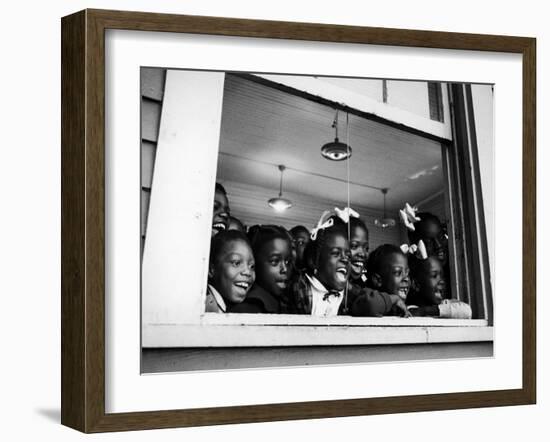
[248, 330]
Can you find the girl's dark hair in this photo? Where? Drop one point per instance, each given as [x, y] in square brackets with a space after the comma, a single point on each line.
[313, 248]
[259, 234]
[424, 217]
[300, 302]
[354, 222]
[297, 229]
[416, 265]
[377, 257]
[222, 238]
[238, 222]
[220, 188]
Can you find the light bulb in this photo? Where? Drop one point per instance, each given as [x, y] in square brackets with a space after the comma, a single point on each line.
[279, 204]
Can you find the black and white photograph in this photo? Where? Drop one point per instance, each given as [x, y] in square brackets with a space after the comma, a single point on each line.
[345, 220]
[270, 221]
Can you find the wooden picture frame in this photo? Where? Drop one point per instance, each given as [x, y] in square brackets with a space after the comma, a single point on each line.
[83, 220]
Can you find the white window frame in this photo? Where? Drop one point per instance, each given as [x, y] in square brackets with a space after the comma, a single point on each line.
[183, 188]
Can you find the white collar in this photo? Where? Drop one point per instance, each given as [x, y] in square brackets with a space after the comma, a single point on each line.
[218, 298]
[318, 285]
[321, 305]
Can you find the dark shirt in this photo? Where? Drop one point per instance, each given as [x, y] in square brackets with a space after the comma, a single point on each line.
[354, 289]
[258, 300]
[371, 303]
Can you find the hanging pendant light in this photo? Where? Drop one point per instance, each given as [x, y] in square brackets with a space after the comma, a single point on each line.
[336, 150]
[280, 204]
[385, 222]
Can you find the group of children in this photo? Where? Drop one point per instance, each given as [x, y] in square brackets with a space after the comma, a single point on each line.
[328, 270]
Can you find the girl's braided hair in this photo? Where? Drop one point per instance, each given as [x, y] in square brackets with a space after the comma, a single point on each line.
[300, 301]
[314, 247]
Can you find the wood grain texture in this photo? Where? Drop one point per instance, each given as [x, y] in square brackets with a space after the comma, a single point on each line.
[95, 222]
[83, 216]
[73, 254]
[529, 221]
[145, 21]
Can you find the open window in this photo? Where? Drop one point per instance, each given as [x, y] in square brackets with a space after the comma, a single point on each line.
[412, 142]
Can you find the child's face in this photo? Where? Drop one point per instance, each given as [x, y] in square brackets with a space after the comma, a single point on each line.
[433, 236]
[301, 239]
[334, 260]
[272, 266]
[394, 277]
[232, 273]
[359, 246]
[220, 217]
[430, 281]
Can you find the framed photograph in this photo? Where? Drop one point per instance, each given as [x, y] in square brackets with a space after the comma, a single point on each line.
[268, 221]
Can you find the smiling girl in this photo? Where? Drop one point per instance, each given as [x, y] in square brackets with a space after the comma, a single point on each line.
[426, 297]
[231, 271]
[388, 284]
[319, 290]
[273, 255]
[359, 248]
[388, 270]
[220, 214]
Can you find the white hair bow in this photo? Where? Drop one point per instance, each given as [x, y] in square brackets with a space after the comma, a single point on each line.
[415, 249]
[408, 216]
[323, 223]
[346, 213]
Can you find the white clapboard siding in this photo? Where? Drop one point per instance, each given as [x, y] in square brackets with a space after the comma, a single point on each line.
[148, 151]
[152, 83]
[150, 119]
[145, 197]
[152, 93]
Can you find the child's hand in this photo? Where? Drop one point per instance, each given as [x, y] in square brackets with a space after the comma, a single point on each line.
[400, 305]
